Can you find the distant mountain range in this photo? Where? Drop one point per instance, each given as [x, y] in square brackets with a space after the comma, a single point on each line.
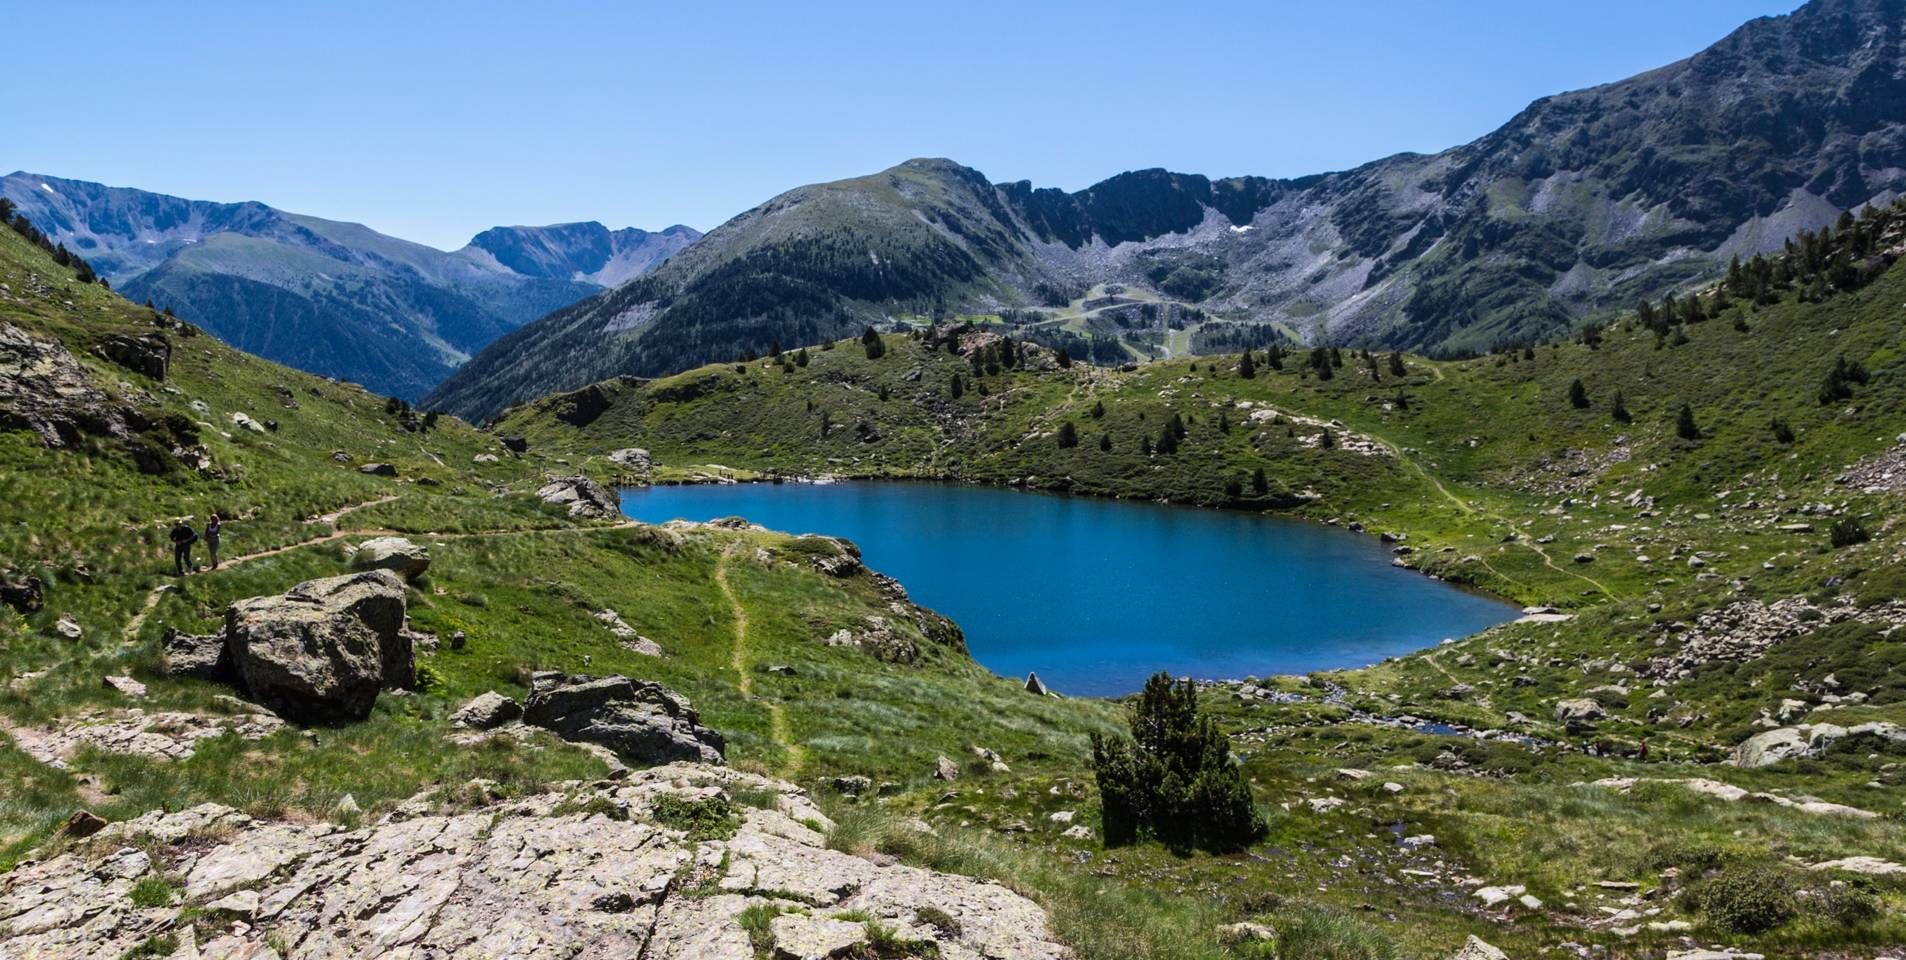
[334, 298]
[1580, 205]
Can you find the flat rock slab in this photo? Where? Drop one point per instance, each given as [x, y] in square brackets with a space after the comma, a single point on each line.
[161, 735]
[580, 870]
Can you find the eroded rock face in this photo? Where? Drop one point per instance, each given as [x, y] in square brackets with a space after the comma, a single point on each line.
[585, 498]
[642, 721]
[321, 652]
[396, 554]
[575, 872]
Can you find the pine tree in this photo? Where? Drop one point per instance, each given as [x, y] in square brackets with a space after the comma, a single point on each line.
[1068, 435]
[1105, 443]
[1684, 425]
[1783, 433]
[800, 357]
[1167, 441]
[1578, 395]
[959, 386]
[1098, 410]
[1260, 484]
[1247, 368]
[1618, 409]
[1397, 369]
[1174, 780]
[875, 347]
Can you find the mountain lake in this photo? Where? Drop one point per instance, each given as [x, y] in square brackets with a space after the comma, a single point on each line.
[1095, 595]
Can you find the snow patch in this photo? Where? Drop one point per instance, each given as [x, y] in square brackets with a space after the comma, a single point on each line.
[48, 189]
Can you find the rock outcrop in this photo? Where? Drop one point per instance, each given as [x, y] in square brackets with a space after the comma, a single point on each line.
[150, 355]
[157, 735]
[585, 498]
[577, 871]
[45, 389]
[1808, 740]
[640, 720]
[392, 553]
[322, 651]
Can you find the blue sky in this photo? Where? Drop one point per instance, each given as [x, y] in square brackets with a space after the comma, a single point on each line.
[432, 121]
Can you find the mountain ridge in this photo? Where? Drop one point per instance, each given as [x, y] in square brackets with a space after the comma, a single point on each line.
[1581, 204]
[333, 297]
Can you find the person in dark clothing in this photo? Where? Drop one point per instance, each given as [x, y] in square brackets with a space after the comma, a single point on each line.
[212, 527]
[183, 536]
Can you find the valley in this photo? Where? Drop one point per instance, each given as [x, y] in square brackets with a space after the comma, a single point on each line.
[1487, 554]
[1493, 787]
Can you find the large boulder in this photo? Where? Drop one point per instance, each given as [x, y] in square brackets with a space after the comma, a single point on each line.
[486, 711]
[321, 652]
[1770, 747]
[392, 553]
[642, 721]
[1579, 713]
[634, 459]
[22, 592]
[1476, 948]
[585, 498]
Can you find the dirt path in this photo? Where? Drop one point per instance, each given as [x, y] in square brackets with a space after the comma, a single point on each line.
[131, 631]
[332, 517]
[1469, 509]
[744, 679]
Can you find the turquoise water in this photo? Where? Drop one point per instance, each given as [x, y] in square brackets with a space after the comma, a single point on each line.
[1096, 595]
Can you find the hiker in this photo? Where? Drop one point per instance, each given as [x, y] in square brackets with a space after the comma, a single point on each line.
[212, 527]
[182, 537]
[1644, 750]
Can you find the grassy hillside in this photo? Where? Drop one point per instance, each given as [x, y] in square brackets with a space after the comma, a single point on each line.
[1456, 473]
[521, 580]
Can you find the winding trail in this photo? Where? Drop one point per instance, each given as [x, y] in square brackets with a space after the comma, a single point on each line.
[1469, 509]
[130, 633]
[778, 727]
